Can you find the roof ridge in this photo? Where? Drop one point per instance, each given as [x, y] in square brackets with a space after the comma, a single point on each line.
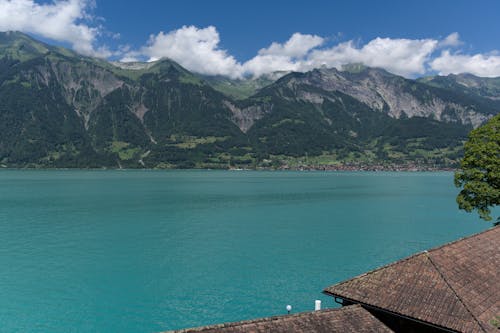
[493, 228]
[378, 269]
[454, 292]
[412, 256]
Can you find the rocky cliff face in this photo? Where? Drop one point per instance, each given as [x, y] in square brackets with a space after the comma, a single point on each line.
[83, 84]
[394, 95]
[245, 117]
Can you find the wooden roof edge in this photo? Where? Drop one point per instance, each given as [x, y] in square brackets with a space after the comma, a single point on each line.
[326, 290]
[397, 314]
[264, 319]
[424, 252]
[491, 229]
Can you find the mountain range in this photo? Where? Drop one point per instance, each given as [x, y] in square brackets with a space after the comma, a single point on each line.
[62, 109]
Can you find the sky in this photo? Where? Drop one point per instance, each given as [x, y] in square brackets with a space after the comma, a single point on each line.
[239, 38]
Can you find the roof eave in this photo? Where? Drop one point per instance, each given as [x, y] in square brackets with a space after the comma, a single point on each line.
[374, 307]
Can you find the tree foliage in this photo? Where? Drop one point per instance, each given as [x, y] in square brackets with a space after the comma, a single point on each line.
[479, 176]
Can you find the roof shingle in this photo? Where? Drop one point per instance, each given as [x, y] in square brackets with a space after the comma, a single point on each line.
[456, 286]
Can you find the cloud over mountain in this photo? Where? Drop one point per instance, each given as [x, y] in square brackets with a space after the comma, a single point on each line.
[64, 21]
[199, 50]
[406, 57]
[487, 65]
[297, 46]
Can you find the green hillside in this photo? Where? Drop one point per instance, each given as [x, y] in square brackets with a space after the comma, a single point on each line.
[60, 109]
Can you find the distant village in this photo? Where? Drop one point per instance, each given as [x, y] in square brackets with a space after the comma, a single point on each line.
[410, 167]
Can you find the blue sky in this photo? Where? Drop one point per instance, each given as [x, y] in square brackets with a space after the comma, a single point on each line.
[235, 38]
[246, 27]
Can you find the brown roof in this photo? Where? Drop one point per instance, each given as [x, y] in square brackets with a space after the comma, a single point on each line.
[455, 286]
[347, 319]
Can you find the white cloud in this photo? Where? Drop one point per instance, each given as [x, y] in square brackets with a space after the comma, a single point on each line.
[487, 65]
[452, 40]
[130, 57]
[288, 56]
[297, 46]
[197, 49]
[406, 57]
[59, 20]
[263, 64]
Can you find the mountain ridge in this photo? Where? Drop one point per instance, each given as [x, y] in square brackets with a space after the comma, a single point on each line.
[59, 109]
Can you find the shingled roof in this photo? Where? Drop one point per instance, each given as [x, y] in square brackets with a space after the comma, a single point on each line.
[455, 286]
[347, 319]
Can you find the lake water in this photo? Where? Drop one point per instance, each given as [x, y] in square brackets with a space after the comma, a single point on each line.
[146, 251]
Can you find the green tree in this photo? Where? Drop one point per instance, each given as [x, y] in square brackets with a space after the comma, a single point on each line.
[479, 174]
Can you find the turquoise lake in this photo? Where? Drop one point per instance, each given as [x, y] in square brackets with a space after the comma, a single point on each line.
[148, 251]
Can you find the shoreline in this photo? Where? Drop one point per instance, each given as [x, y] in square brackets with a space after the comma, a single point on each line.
[332, 168]
[374, 168]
